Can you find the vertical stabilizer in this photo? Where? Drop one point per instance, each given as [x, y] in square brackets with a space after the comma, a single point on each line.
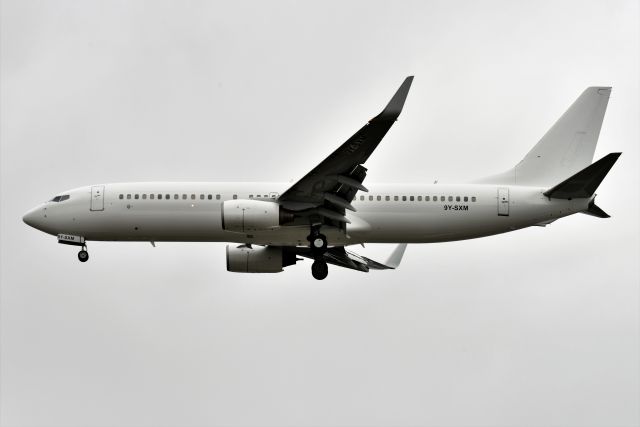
[566, 148]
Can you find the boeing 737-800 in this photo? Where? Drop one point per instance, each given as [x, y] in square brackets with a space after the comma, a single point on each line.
[272, 226]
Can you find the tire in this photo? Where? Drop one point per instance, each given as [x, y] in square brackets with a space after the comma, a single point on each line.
[83, 256]
[319, 270]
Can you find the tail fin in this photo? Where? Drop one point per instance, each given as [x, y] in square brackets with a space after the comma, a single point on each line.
[566, 148]
[584, 183]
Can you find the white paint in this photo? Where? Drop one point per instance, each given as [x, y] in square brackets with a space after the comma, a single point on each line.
[402, 221]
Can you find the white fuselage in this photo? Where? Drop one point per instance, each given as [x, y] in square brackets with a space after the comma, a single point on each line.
[388, 213]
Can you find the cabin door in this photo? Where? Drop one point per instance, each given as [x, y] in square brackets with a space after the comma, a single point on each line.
[97, 198]
[503, 201]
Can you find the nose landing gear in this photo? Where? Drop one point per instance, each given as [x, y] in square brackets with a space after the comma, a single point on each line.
[318, 245]
[83, 255]
[69, 239]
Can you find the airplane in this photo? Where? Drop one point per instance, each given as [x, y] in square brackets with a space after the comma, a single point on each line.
[272, 227]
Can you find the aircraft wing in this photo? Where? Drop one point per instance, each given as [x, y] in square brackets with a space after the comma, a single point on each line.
[339, 256]
[331, 186]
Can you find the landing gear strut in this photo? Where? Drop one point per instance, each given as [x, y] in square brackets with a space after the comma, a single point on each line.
[83, 255]
[318, 245]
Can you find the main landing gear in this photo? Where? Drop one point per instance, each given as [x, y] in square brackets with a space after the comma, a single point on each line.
[318, 245]
[319, 269]
[83, 255]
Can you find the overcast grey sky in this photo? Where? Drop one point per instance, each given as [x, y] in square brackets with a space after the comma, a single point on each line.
[539, 327]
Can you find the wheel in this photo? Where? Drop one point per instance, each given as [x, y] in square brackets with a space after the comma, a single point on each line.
[83, 256]
[319, 270]
[319, 242]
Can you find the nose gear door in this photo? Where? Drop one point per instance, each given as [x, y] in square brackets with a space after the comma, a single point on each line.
[97, 198]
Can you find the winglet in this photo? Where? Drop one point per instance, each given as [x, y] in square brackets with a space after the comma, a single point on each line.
[392, 262]
[396, 256]
[585, 182]
[394, 107]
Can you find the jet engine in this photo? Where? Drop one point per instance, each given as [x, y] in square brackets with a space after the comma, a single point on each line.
[253, 215]
[245, 259]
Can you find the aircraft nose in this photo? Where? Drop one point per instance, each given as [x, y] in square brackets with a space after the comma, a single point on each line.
[33, 218]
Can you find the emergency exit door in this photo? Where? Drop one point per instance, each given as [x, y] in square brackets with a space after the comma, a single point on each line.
[503, 201]
[97, 198]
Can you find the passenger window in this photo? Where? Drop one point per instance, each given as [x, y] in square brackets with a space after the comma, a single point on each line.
[370, 198]
[176, 196]
[202, 197]
[426, 198]
[473, 198]
[419, 198]
[435, 198]
[251, 196]
[217, 197]
[466, 199]
[193, 197]
[361, 198]
[128, 196]
[442, 198]
[411, 198]
[235, 196]
[379, 198]
[387, 198]
[144, 197]
[209, 196]
[404, 198]
[395, 198]
[167, 196]
[151, 196]
[184, 197]
[457, 198]
[121, 196]
[451, 198]
[137, 196]
[159, 196]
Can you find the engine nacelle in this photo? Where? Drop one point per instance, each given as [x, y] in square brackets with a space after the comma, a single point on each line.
[244, 259]
[252, 215]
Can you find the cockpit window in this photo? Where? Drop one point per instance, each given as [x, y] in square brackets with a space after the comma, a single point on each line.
[60, 198]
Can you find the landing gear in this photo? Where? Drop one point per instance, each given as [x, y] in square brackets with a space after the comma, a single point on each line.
[83, 255]
[318, 245]
[319, 269]
[69, 239]
[317, 240]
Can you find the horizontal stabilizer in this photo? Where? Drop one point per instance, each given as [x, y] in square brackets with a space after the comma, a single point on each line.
[584, 183]
[594, 210]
